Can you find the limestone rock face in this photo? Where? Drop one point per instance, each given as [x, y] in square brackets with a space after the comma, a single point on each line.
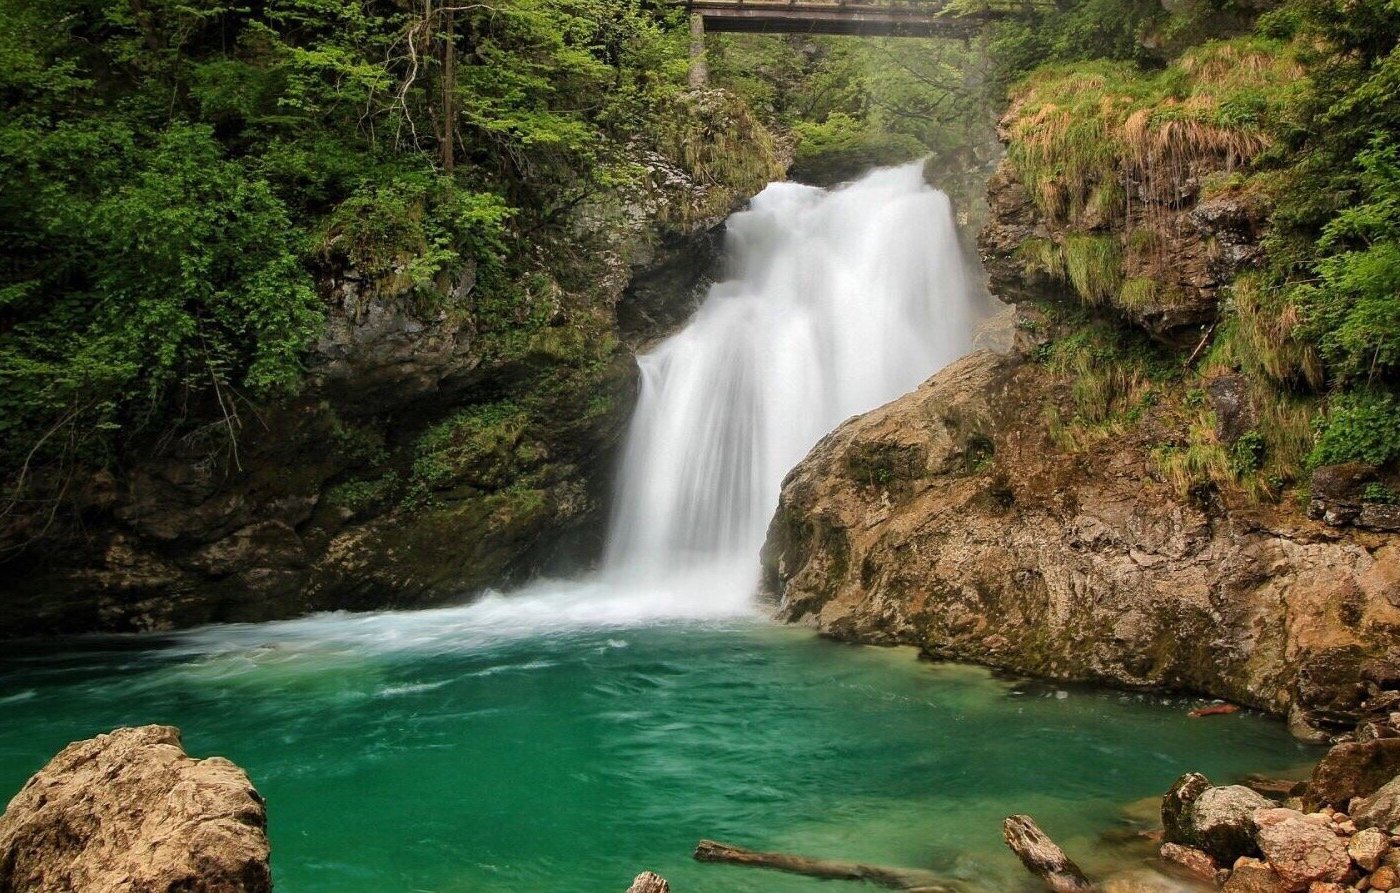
[130, 812]
[949, 519]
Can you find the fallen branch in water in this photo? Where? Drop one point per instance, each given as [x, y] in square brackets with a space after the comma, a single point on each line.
[895, 878]
[1215, 710]
[1042, 857]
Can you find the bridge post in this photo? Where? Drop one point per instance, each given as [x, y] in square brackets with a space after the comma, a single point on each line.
[699, 68]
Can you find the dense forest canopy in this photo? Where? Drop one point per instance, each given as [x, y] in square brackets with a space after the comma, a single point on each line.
[177, 173]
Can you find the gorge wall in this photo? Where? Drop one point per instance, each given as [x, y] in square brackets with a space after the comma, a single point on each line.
[434, 449]
[1111, 498]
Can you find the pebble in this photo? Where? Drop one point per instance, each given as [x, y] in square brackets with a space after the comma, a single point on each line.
[1384, 878]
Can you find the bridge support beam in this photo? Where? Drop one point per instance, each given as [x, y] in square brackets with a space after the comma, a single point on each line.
[699, 67]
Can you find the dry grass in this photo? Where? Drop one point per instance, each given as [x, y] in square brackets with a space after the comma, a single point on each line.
[1259, 336]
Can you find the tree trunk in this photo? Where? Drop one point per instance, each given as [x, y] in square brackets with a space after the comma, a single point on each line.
[1042, 857]
[894, 878]
[699, 68]
[449, 91]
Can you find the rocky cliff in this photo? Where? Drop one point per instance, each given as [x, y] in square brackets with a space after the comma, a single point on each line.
[1099, 503]
[438, 446]
[950, 520]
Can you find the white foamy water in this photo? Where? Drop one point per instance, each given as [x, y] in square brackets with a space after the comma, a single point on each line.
[837, 301]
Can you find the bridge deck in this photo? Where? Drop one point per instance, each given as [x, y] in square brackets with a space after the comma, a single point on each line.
[889, 19]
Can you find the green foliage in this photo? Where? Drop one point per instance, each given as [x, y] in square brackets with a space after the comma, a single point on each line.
[1379, 493]
[1247, 453]
[1362, 426]
[841, 147]
[357, 496]
[480, 446]
[177, 176]
[1094, 265]
[1353, 312]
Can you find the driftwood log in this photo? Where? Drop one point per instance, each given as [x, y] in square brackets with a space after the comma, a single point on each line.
[1042, 857]
[649, 882]
[911, 879]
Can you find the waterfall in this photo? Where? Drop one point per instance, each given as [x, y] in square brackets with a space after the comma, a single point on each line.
[836, 302]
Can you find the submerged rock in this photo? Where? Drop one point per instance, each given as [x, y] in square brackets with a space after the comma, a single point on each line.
[130, 812]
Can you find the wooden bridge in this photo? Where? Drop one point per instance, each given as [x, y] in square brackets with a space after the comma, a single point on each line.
[871, 18]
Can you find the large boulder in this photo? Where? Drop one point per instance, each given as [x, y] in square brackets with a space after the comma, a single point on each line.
[1222, 822]
[1176, 807]
[1381, 809]
[1354, 769]
[1303, 852]
[130, 812]
[952, 520]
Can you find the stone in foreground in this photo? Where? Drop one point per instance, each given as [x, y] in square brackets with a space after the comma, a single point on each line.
[1304, 852]
[130, 812]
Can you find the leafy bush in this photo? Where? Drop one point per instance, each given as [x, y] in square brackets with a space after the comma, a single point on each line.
[1359, 427]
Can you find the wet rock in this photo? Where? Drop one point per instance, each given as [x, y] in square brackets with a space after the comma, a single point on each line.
[1381, 809]
[1251, 875]
[1336, 490]
[648, 882]
[1194, 861]
[1355, 769]
[1222, 822]
[1176, 807]
[1234, 413]
[130, 812]
[1379, 516]
[1383, 673]
[1235, 223]
[1302, 852]
[1368, 847]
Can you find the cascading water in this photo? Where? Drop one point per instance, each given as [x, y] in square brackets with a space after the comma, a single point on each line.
[838, 301]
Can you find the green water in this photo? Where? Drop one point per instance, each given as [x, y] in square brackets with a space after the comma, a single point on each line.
[425, 752]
